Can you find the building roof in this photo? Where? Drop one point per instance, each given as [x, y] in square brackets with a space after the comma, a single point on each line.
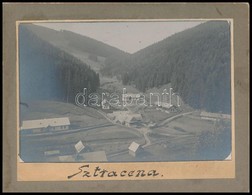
[214, 115]
[42, 123]
[134, 146]
[104, 101]
[79, 146]
[133, 95]
[133, 118]
[51, 152]
[127, 116]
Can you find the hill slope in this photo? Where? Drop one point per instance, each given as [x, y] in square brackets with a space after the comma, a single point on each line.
[48, 73]
[196, 62]
[70, 41]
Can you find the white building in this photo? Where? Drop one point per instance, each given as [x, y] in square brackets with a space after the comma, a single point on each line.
[79, 146]
[128, 97]
[126, 118]
[214, 116]
[162, 104]
[134, 149]
[105, 104]
[51, 152]
[43, 125]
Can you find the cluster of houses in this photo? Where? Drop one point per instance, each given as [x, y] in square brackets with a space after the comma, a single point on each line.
[82, 152]
[168, 108]
[83, 155]
[126, 118]
[130, 97]
[126, 99]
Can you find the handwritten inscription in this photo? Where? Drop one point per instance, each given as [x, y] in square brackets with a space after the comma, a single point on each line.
[85, 172]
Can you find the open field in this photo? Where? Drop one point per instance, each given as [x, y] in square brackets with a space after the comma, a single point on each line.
[168, 149]
[80, 117]
[151, 114]
[185, 125]
[186, 137]
[109, 139]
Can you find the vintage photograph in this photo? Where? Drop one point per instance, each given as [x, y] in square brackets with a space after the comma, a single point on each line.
[124, 91]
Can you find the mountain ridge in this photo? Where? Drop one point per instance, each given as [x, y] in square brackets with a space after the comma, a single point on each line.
[66, 38]
[195, 61]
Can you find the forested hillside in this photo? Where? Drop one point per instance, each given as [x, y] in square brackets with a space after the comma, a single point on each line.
[196, 62]
[70, 41]
[48, 73]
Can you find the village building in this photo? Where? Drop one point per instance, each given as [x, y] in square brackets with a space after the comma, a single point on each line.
[80, 147]
[174, 108]
[126, 118]
[162, 104]
[105, 104]
[168, 108]
[128, 97]
[45, 125]
[134, 149]
[133, 120]
[51, 153]
[214, 116]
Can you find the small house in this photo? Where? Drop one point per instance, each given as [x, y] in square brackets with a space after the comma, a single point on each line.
[214, 116]
[127, 118]
[128, 97]
[51, 152]
[105, 104]
[79, 147]
[134, 149]
[133, 120]
[173, 108]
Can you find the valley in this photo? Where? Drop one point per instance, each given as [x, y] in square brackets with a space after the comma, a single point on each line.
[165, 132]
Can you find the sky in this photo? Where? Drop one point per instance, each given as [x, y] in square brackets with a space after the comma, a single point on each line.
[127, 36]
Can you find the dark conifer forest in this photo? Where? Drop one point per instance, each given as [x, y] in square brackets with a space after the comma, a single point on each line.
[48, 73]
[196, 62]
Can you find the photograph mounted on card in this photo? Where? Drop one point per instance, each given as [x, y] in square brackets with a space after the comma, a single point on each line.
[102, 91]
[125, 97]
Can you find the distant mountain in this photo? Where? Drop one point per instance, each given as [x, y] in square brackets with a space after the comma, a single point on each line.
[49, 73]
[71, 42]
[196, 62]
